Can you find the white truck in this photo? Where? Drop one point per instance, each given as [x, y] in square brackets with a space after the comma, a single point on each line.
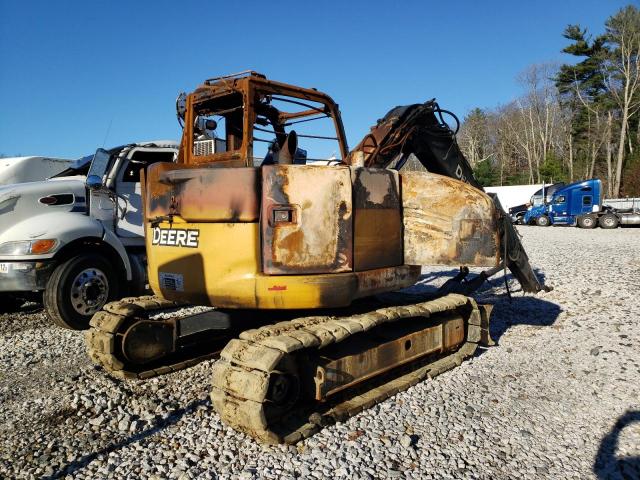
[77, 239]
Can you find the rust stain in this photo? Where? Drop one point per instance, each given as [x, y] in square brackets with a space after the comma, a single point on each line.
[387, 279]
[377, 219]
[345, 365]
[203, 194]
[291, 244]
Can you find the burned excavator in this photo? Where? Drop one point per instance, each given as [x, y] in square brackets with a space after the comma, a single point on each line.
[298, 255]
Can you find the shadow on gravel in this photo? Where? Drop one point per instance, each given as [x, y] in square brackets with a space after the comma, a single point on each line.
[521, 309]
[83, 461]
[530, 311]
[607, 465]
[497, 282]
[28, 307]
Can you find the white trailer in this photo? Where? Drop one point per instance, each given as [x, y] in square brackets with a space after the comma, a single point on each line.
[513, 195]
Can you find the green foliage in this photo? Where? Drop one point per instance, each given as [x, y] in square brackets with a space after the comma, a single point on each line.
[552, 170]
[477, 116]
[582, 85]
[587, 74]
[486, 174]
[625, 23]
[517, 178]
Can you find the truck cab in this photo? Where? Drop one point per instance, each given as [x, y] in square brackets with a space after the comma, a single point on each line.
[76, 240]
[568, 205]
[575, 200]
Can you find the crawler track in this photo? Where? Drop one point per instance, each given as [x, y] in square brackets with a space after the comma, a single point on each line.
[251, 370]
[104, 339]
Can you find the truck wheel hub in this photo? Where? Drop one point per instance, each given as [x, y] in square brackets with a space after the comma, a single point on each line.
[89, 291]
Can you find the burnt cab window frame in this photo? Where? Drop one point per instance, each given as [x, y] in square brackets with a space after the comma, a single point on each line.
[199, 108]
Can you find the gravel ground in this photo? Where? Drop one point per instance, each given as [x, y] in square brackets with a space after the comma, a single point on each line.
[557, 397]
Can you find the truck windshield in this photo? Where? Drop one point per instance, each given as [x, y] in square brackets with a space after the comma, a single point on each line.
[537, 200]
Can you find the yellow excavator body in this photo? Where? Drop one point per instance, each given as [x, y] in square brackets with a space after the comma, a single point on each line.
[307, 236]
[224, 271]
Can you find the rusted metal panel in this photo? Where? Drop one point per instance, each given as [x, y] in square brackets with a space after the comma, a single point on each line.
[306, 219]
[203, 194]
[372, 282]
[377, 230]
[447, 222]
[379, 350]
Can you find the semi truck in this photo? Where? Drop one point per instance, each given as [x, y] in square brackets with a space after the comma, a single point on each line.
[580, 204]
[75, 241]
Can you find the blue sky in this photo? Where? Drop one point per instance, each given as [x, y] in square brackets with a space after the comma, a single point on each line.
[75, 72]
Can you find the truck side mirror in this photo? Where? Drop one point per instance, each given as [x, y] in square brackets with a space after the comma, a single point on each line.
[94, 182]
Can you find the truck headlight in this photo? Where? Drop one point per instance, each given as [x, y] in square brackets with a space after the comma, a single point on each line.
[28, 247]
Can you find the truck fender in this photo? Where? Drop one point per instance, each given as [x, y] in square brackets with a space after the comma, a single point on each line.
[112, 240]
[63, 226]
[67, 228]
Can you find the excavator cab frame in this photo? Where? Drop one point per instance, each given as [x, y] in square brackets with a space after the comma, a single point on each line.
[245, 103]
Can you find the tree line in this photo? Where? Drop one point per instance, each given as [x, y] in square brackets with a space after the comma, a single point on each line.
[573, 121]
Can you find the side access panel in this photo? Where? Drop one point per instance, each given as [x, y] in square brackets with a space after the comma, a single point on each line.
[306, 219]
[377, 235]
[448, 222]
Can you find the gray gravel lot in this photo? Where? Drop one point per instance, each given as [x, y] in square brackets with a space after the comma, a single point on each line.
[557, 397]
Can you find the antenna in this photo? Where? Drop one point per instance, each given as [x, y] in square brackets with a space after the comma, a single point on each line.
[107, 134]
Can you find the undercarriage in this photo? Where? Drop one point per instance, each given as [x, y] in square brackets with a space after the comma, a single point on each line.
[282, 382]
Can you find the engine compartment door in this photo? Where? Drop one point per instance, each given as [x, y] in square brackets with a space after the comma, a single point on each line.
[306, 219]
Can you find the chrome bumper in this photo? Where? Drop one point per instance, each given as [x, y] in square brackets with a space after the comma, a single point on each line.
[20, 276]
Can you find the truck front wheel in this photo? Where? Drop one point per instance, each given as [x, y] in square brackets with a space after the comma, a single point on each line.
[608, 220]
[543, 221]
[78, 288]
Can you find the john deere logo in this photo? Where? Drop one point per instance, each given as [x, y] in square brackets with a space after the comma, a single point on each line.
[175, 237]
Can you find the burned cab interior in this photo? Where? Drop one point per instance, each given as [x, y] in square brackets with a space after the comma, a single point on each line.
[251, 121]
